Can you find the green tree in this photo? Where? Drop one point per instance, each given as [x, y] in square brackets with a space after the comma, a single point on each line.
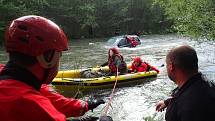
[191, 17]
[11, 9]
[90, 18]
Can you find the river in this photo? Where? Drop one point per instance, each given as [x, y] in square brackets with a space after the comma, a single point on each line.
[136, 103]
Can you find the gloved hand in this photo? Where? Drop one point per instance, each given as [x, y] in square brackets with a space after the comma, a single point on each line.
[84, 118]
[105, 118]
[93, 103]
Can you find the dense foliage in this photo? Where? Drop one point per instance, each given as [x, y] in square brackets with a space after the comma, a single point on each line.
[191, 17]
[102, 18]
[90, 18]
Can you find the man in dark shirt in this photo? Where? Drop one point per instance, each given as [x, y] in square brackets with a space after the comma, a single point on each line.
[194, 98]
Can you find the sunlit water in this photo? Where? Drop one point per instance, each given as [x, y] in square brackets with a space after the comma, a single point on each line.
[135, 103]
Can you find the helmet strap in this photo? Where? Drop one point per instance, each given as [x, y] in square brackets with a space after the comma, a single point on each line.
[50, 74]
[49, 59]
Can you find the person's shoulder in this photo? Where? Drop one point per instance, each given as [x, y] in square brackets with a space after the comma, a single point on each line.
[144, 63]
[41, 107]
[34, 96]
[199, 88]
[209, 87]
[17, 88]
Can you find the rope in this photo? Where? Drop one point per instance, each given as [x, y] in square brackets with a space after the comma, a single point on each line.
[111, 96]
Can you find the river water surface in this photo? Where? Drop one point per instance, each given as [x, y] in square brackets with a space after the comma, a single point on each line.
[136, 103]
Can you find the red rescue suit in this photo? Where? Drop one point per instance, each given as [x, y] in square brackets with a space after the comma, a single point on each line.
[67, 106]
[115, 60]
[112, 63]
[143, 67]
[22, 102]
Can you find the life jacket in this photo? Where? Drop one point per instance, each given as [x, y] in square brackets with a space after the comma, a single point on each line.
[67, 106]
[112, 66]
[142, 67]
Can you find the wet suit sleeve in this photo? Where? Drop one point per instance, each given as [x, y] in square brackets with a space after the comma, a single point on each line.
[35, 108]
[67, 106]
[152, 68]
[167, 101]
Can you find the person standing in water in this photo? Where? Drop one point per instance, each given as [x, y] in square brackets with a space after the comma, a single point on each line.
[194, 97]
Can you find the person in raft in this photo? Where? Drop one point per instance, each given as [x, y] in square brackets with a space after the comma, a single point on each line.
[35, 44]
[139, 66]
[115, 62]
[194, 97]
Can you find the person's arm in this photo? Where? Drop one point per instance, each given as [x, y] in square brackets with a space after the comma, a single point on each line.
[68, 106]
[132, 69]
[161, 105]
[35, 107]
[153, 68]
[91, 118]
[83, 118]
[105, 118]
[142, 68]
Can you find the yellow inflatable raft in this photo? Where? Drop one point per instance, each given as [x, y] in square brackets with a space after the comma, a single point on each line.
[70, 80]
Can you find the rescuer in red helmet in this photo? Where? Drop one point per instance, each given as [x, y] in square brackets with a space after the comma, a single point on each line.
[115, 62]
[35, 45]
[139, 66]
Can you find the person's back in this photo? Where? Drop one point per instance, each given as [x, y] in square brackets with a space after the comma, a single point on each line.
[194, 101]
[194, 97]
[20, 102]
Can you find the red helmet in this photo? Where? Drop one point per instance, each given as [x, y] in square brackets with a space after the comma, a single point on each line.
[34, 35]
[137, 59]
[115, 50]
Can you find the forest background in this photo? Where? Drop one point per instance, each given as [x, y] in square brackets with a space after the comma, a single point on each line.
[105, 18]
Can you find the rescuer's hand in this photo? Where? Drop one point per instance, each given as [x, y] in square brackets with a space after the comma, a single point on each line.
[84, 118]
[105, 118]
[160, 106]
[93, 103]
